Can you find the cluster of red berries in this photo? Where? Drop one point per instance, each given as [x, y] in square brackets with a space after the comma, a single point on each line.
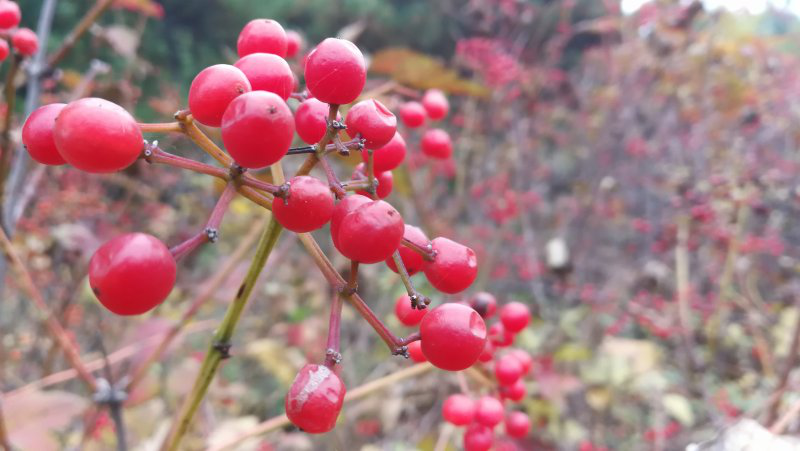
[23, 40]
[248, 102]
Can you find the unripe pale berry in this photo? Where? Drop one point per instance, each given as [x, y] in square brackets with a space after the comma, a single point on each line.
[454, 267]
[311, 120]
[294, 43]
[478, 438]
[385, 181]
[436, 104]
[132, 273]
[412, 259]
[371, 233]
[517, 424]
[335, 71]
[407, 315]
[308, 207]
[25, 41]
[458, 409]
[10, 14]
[515, 316]
[213, 89]
[453, 336]
[389, 156]
[37, 134]
[267, 72]
[257, 129]
[489, 411]
[412, 114]
[97, 136]
[315, 399]
[371, 120]
[436, 143]
[262, 36]
[342, 209]
[507, 370]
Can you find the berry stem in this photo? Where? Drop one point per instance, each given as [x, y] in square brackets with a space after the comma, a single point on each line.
[333, 180]
[332, 350]
[418, 301]
[165, 127]
[312, 160]
[153, 154]
[211, 231]
[356, 185]
[56, 330]
[204, 142]
[427, 253]
[336, 145]
[220, 344]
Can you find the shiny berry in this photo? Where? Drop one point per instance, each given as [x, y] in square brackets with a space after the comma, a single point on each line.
[308, 207]
[25, 42]
[436, 104]
[132, 273]
[412, 114]
[458, 409]
[294, 43]
[257, 129]
[499, 336]
[315, 399]
[484, 303]
[407, 315]
[412, 260]
[267, 72]
[478, 438]
[385, 181]
[436, 143]
[515, 392]
[507, 370]
[342, 209]
[453, 336]
[311, 120]
[37, 134]
[489, 411]
[415, 352]
[213, 89]
[10, 14]
[335, 71]
[4, 50]
[373, 122]
[371, 233]
[97, 136]
[515, 316]
[389, 156]
[517, 424]
[524, 359]
[454, 267]
[262, 36]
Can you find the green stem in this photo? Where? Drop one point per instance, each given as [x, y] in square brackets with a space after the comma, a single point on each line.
[220, 346]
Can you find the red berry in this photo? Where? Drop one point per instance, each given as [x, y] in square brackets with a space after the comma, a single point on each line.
[489, 411]
[371, 233]
[335, 71]
[517, 424]
[488, 352]
[373, 122]
[342, 209]
[499, 336]
[257, 129]
[436, 144]
[311, 120]
[412, 114]
[407, 315]
[294, 42]
[309, 206]
[315, 399]
[458, 409]
[412, 259]
[415, 352]
[267, 72]
[524, 359]
[436, 104]
[25, 41]
[478, 438]
[385, 181]
[453, 336]
[515, 392]
[507, 370]
[484, 303]
[4, 51]
[454, 267]
[262, 36]
[132, 273]
[97, 136]
[10, 14]
[389, 156]
[515, 316]
[37, 134]
[213, 89]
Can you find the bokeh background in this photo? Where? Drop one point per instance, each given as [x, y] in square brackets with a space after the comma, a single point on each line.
[632, 175]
